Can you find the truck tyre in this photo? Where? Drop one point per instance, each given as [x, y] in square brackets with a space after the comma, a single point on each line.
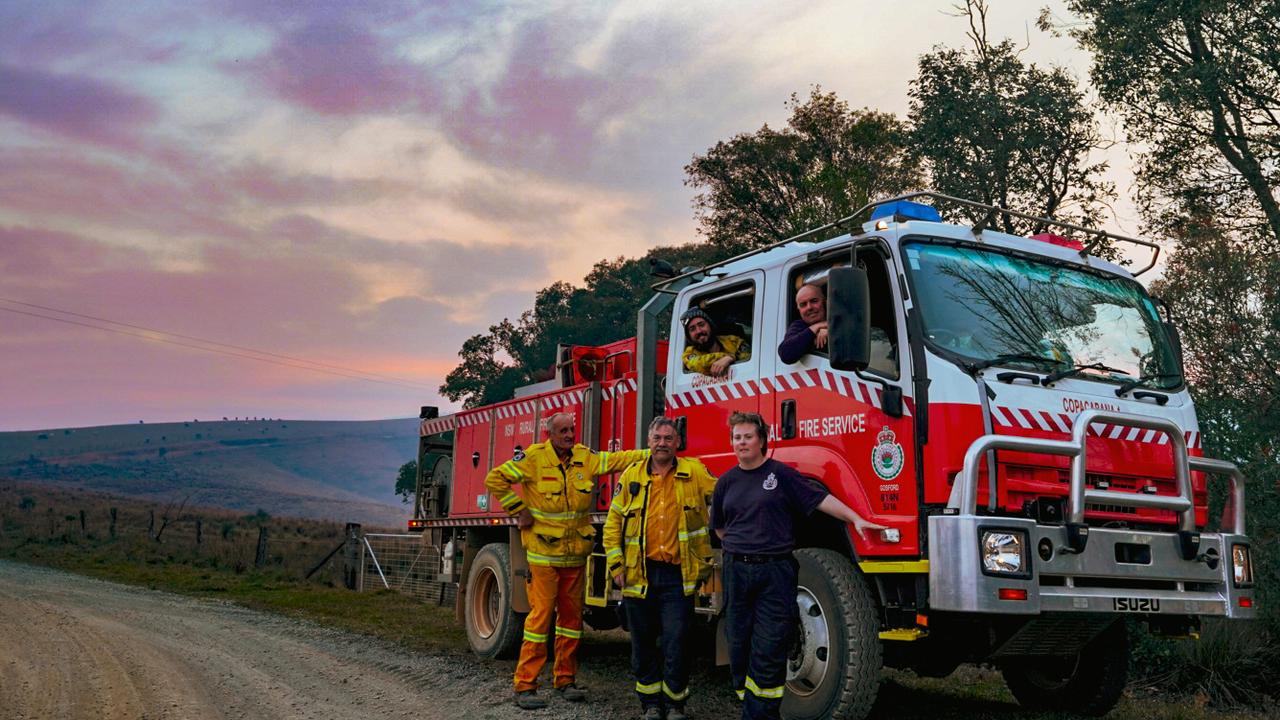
[834, 668]
[494, 630]
[1088, 684]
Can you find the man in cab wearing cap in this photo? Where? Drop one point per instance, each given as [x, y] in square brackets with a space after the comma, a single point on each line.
[706, 352]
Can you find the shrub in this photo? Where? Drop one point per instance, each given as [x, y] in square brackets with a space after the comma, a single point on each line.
[1232, 664]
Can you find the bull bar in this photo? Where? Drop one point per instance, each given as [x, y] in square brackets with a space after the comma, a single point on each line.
[1076, 568]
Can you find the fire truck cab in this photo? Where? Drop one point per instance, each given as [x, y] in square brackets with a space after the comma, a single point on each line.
[1013, 409]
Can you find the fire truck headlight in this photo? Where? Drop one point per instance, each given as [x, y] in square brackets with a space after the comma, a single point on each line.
[1241, 565]
[1004, 552]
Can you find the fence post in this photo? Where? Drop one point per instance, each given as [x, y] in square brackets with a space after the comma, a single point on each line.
[151, 523]
[113, 524]
[51, 527]
[199, 532]
[261, 558]
[82, 522]
[351, 558]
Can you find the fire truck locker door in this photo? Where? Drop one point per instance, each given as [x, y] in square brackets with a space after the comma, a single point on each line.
[735, 306]
[472, 462]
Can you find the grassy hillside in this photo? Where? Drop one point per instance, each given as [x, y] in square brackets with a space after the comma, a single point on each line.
[315, 469]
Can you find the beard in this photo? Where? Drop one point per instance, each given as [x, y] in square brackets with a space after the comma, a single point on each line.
[704, 347]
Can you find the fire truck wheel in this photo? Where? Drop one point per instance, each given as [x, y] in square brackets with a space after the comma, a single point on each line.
[1087, 684]
[834, 668]
[493, 628]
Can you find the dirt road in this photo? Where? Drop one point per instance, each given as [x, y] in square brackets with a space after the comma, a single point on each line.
[73, 647]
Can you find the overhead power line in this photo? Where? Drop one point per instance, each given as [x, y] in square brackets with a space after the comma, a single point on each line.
[211, 346]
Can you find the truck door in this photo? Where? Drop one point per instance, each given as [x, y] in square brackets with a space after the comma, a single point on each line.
[734, 307]
[833, 424]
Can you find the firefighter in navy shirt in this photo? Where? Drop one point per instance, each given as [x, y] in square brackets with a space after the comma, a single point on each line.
[754, 511]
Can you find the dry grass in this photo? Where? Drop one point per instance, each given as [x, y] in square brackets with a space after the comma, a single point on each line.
[42, 521]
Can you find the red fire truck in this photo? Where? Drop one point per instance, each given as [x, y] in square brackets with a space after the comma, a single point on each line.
[1012, 408]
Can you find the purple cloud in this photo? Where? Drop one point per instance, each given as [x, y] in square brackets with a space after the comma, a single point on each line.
[533, 114]
[79, 107]
[339, 69]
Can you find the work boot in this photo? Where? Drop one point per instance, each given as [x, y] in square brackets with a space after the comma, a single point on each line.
[652, 712]
[529, 700]
[676, 713]
[572, 693]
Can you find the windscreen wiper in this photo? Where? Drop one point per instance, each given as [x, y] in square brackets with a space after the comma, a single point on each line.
[1143, 380]
[1007, 358]
[1054, 377]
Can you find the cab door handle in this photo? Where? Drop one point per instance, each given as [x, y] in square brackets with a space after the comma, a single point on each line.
[788, 419]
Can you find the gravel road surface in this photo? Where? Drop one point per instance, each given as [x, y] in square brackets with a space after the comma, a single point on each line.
[73, 647]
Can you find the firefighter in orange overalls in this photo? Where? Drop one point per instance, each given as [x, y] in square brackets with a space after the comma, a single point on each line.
[557, 479]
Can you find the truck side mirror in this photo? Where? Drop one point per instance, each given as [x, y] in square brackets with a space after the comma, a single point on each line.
[848, 318]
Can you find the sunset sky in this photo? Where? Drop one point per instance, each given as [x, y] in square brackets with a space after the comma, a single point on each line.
[366, 184]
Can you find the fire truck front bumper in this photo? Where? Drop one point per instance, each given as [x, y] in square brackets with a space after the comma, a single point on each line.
[1014, 566]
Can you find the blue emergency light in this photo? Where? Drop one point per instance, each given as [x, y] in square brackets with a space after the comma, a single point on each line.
[900, 210]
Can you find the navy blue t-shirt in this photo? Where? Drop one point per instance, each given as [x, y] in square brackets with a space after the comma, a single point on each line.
[758, 509]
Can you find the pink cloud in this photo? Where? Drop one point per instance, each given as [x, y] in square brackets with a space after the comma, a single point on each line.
[304, 305]
[76, 106]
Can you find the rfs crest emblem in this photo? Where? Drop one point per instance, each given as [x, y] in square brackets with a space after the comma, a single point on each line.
[886, 456]
[770, 482]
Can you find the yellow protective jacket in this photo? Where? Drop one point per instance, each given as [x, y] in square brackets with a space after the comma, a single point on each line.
[731, 346]
[624, 529]
[559, 497]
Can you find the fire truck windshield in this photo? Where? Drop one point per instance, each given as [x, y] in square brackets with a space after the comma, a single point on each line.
[979, 305]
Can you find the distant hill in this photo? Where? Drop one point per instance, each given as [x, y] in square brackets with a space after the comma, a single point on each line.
[300, 468]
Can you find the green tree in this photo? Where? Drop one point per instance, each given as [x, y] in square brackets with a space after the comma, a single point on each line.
[1225, 293]
[758, 188]
[407, 481]
[1197, 83]
[512, 354]
[989, 127]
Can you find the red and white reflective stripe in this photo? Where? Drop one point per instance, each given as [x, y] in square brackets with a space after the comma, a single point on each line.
[515, 409]
[558, 402]
[1026, 419]
[620, 388]
[474, 418]
[818, 379]
[438, 425]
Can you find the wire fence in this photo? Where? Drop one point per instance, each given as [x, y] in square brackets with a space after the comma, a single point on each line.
[171, 532]
[167, 532]
[404, 563]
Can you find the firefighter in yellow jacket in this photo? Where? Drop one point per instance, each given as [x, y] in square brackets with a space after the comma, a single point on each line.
[658, 549]
[557, 479]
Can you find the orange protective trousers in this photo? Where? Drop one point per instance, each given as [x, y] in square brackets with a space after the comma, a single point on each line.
[557, 589]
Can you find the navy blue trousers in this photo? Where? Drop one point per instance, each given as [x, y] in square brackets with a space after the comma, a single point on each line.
[659, 625]
[762, 615]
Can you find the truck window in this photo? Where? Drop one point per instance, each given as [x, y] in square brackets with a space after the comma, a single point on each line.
[717, 325]
[884, 326]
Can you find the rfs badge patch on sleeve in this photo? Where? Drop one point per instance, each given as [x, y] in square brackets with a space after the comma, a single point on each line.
[518, 455]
